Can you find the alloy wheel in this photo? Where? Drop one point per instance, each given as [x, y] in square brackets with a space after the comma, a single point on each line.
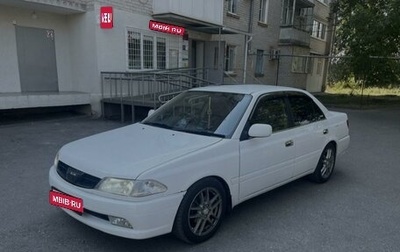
[205, 211]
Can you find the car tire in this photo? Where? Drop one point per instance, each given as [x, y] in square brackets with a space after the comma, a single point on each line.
[201, 211]
[325, 166]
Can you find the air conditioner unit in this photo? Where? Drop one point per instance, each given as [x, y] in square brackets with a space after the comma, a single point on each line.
[274, 54]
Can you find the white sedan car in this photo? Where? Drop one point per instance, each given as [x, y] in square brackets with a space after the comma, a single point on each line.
[191, 161]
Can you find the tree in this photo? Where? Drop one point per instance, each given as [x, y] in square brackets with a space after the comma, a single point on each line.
[368, 28]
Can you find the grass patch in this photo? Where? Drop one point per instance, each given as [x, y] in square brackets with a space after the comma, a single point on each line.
[370, 91]
[352, 98]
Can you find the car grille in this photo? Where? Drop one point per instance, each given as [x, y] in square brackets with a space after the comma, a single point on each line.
[76, 177]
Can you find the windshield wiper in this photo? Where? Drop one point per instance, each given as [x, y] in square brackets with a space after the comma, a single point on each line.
[203, 133]
[159, 125]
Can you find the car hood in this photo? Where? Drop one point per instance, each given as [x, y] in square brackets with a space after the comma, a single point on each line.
[129, 151]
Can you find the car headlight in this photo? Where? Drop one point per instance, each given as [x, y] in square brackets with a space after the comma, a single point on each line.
[133, 188]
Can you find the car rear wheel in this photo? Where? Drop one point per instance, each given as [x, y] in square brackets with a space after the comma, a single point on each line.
[201, 211]
[326, 165]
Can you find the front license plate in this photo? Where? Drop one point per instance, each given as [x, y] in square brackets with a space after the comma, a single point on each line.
[66, 201]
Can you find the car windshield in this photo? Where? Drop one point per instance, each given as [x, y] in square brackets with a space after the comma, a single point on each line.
[201, 112]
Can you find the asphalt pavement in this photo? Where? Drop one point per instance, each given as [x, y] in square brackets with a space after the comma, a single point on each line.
[357, 210]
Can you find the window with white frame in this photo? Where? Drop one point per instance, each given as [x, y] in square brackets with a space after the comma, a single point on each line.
[230, 58]
[319, 30]
[263, 11]
[134, 50]
[232, 6]
[148, 57]
[161, 53]
[146, 51]
[260, 63]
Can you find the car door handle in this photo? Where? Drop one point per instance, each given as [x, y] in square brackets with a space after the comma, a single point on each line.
[325, 131]
[289, 143]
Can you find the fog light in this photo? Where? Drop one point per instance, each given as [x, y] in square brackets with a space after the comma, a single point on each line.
[117, 221]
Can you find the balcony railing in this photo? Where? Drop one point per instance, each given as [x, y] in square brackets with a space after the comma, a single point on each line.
[294, 36]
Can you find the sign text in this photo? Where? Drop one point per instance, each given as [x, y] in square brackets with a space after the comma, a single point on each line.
[166, 28]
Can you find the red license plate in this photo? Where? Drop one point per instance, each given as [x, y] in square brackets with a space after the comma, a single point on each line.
[66, 201]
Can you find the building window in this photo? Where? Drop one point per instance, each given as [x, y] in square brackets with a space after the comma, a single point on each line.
[287, 12]
[232, 6]
[298, 16]
[230, 58]
[263, 12]
[319, 30]
[134, 50]
[161, 53]
[260, 63]
[298, 64]
[148, 57]
[302, 64]
[319, 67]
[146, 51]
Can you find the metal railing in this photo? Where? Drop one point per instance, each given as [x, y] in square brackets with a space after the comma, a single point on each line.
[151, 84]
[149, 88]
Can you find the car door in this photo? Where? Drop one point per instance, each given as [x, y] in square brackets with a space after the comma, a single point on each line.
[310, 132]
[266, 162]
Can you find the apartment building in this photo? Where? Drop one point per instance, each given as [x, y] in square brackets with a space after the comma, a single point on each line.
[320, 45]
[304, 43]
[53, 51]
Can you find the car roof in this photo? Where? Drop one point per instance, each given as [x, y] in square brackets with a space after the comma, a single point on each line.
[253, 89]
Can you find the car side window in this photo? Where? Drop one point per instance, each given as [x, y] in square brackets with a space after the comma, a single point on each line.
[304, 110]
[272, 111]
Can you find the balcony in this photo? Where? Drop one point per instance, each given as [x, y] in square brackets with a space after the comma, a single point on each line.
[205, 16]
[296, 22]
[290, 35]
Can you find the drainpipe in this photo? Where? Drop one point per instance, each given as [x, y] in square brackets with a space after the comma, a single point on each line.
[294, 11]
[246, 53]
[331, 53]
[248, 40]
[220, 67]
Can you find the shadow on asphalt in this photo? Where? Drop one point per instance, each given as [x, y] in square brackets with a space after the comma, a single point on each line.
[17, 116]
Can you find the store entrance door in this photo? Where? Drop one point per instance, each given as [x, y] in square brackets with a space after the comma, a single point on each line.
[213, 60]
[207, 55]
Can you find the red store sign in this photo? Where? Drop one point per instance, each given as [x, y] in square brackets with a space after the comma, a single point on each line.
[166, 28]
[106, 17]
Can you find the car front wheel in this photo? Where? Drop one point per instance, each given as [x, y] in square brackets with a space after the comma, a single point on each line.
[201, 211]
[325, 166]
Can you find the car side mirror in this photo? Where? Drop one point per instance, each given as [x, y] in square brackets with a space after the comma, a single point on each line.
[151, 111]
[260, 130]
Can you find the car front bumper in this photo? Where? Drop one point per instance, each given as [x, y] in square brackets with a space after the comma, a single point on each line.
[148, 218]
